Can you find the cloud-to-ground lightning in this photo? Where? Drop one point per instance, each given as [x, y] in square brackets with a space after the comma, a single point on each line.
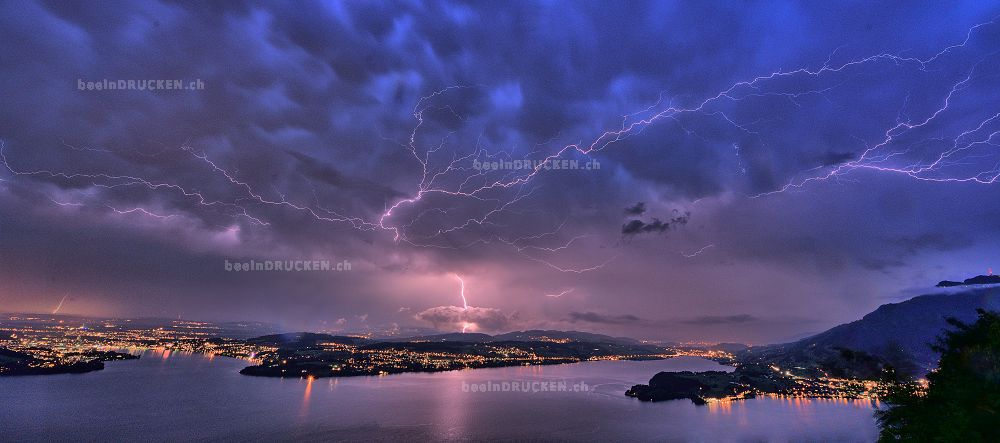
[465, 303]
[60, 305]
[461, 291]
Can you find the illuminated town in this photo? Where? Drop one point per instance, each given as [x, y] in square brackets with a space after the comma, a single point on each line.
[65, 344]
[55, 342]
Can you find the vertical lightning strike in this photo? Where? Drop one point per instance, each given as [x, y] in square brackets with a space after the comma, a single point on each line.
[56, 310]
[465, 303]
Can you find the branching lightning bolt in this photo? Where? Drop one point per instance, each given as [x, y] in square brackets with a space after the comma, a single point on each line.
[698, 252]
[560, 294]
[445, 173]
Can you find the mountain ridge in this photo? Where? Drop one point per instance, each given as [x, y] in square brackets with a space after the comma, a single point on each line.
[899, 334]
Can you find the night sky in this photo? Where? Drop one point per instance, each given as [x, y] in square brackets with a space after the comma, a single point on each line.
[766, 169]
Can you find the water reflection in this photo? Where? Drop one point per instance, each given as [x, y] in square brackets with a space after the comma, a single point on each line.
[214, 402]
[306, 396]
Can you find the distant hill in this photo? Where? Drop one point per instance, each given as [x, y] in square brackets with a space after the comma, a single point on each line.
[542, 335]
[977, 280]
[304, 339]
[518, 336]
[896, 334]
[462, 337]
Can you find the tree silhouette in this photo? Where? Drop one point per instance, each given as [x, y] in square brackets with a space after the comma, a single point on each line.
[962, 400]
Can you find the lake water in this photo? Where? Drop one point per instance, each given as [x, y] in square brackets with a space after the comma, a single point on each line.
[184, 397]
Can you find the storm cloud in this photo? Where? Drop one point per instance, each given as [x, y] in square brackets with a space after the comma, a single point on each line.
[593, 317]
[456, 317]
[353, 131]
[636, 226]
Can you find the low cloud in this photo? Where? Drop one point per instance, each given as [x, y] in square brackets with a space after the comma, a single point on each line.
[593, 317]
[721, 319]
[638, 209]
[455, 317]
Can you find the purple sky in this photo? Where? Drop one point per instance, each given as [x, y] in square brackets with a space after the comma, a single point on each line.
[765, 169]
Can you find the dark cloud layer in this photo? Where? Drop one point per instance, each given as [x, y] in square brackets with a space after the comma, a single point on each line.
[592, 317]
[723, 319]
[636, 226]
[354, 130]
[638, 209]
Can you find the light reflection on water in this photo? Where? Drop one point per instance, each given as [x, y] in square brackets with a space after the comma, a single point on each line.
[169, 395]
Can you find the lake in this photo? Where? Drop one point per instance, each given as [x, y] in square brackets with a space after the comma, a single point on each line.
[182, 397]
